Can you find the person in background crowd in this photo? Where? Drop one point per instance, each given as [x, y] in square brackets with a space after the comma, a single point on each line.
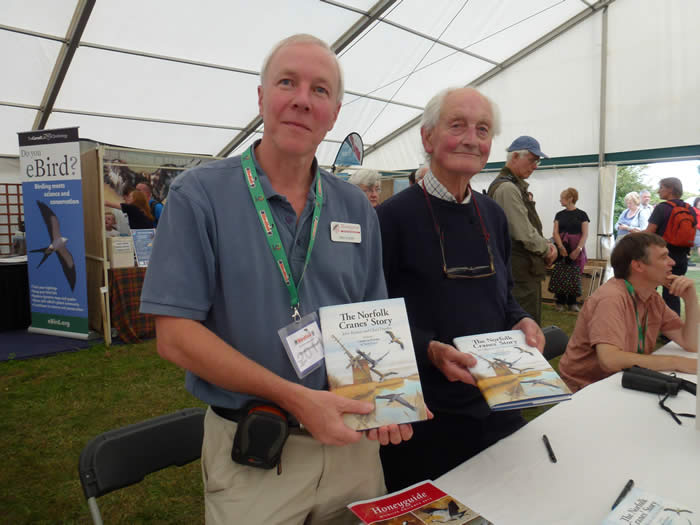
[215, 285]
[606, 338]
[417, 175]
[155, 206]
[136, 208]
[447, 251]
[570, 234]
[696, 244]
[531, 250]
[111, 224]
[671, 190]
[631, 219]
[645, 207]
[370, 182]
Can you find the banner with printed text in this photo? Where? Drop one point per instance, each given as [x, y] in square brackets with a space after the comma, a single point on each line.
[53, 214]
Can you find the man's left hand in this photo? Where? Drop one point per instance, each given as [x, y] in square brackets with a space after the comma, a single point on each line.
[533, 332]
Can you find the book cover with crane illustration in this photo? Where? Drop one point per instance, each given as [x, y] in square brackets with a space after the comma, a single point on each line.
[510, 373]
[369, 356]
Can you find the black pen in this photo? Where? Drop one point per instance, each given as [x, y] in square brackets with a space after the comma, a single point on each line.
[628, 487]
[552, 457]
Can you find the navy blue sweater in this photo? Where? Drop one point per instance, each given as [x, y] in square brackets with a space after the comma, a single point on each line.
[441, 308]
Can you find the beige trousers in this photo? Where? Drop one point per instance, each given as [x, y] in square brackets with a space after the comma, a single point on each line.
[316, 483]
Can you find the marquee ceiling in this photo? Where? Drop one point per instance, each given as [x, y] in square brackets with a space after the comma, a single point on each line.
[181, 76]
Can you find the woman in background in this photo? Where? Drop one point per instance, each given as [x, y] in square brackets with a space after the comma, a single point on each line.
[136, 208]
[369, 181]
[570, 234]
[630, 220]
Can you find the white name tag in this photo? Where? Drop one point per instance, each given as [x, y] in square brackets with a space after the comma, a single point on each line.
[304, 345]
[346, 232]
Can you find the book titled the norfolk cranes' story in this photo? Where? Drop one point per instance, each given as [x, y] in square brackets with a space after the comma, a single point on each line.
[418, 504]
[369, 356]
[640, 507]
[510, 373]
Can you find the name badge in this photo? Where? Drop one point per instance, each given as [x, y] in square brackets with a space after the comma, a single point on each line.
[304, 345]
[346, 232]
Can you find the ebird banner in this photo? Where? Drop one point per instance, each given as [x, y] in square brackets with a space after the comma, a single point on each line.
[49, 163]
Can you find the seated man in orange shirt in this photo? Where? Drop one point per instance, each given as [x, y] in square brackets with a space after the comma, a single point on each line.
[620, 322]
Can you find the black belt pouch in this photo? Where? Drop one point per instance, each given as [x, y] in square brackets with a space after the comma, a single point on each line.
[260, 436]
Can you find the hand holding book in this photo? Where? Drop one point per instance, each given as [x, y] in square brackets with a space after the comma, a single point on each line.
[451, 362]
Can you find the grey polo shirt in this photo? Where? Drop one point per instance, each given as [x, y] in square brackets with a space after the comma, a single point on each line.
[211, 263]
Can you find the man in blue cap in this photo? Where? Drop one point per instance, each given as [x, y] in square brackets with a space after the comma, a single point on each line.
[531, 251]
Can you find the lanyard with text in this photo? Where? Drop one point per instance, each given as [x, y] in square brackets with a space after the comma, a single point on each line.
[642, 331]
[268, 224]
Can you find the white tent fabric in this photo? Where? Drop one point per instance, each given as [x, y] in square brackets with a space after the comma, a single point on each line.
[597, 82]
[181, 76]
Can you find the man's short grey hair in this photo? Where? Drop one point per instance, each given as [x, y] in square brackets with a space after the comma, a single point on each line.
[367, 177]
[303, 38]
[431, 113]
[519, 152]
[644, 192]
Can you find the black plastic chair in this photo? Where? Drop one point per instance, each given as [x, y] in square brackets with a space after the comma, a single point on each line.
[555, 341]
[124, 456]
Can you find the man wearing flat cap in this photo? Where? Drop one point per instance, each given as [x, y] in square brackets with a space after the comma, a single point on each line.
[531, 251]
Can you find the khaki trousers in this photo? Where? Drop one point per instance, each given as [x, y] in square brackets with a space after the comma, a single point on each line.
[316, 483]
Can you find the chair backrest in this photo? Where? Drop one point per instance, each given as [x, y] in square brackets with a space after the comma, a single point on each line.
[124, 456]
[555, 341]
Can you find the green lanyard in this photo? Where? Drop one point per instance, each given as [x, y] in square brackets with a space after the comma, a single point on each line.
[268, 225]
[641, 331]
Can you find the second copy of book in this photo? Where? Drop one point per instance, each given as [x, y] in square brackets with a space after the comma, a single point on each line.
[644, 508]
[510, 373]
[369, 357]
[418, 504]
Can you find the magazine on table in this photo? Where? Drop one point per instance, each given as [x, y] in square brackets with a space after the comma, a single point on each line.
[640, 507]
[369, 356]
[422, 503]
[510, 373]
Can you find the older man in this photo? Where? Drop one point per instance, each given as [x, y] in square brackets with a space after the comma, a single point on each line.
[531, 250]
[620, 322]
[645, 208]
[447, 252]
[233, 244]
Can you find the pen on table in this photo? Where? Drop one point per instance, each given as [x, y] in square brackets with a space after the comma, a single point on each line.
[552, 457]
[625, 490]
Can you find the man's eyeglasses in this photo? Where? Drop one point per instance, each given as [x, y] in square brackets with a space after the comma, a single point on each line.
[463, 272]
[535, 161]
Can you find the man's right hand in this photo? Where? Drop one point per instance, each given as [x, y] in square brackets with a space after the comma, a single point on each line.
[321, 413]
[451, 362]
[551, 255]
[681, 286]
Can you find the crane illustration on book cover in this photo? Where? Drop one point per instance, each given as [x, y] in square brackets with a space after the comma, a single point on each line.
[369, 357]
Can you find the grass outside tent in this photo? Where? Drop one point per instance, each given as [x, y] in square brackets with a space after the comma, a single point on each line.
[51, 407]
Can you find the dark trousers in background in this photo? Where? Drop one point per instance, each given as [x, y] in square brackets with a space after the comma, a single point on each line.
[441, 444]
[563, 298]
[680, 268]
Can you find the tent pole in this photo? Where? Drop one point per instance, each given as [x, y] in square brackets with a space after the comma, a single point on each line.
[603, 98]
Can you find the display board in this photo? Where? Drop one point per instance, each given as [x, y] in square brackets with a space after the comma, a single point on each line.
[53, 213]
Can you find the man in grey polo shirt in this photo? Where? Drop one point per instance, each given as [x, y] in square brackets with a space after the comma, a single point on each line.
[220, 296]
